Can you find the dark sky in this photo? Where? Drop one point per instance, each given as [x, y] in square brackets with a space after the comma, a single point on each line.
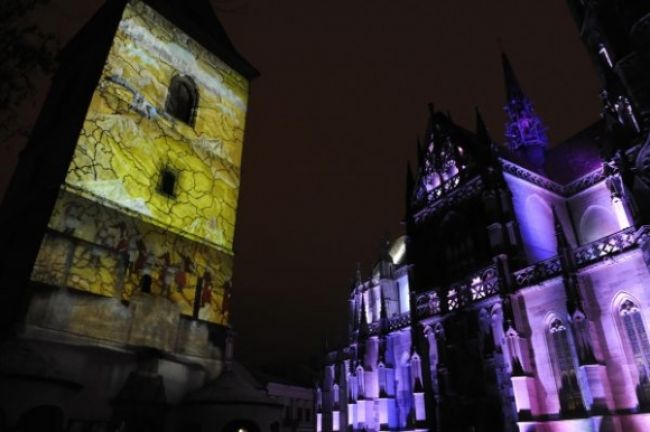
[333, 120]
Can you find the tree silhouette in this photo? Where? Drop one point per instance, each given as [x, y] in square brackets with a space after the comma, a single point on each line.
[25, 50]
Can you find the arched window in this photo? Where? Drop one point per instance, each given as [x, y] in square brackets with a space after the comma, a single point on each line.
[565, 368]
[639, 347]
[416, 373]
[182, 99]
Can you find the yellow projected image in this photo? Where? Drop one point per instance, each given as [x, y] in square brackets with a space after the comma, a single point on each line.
[102, 251]
[164, 130]
[150, 198]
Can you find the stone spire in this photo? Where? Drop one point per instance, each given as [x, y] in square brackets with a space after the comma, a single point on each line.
[486, 152]
[565, 253]
[579, 320]
[525, 132]
[481, 129]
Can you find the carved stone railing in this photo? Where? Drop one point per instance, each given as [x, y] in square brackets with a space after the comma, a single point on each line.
[427, 304]
[486, 282]
[531, 177]
[606, 246]
[478, 286]
[584, 182]
[584, 255]
[453, 196]
[444, 188]
[537, 272]
[337, 354]
[390, 324]
[567, 190]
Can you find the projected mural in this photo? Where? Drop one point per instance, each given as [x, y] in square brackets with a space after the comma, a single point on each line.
[149, 202]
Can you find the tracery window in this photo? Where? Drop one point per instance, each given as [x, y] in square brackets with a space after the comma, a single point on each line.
[182, 99]
[565, 368]
[639, 347]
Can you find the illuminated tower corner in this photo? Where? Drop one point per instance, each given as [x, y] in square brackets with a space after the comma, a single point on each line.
[117, 229]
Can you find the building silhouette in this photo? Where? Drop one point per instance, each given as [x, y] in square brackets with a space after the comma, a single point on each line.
[518, 298]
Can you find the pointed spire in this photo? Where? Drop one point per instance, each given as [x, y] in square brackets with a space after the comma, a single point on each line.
[508, 315]
[364, 328]
[560, 235]
[567, 262]
[383, 313]
[513, 89]
[572, 290]
[486, 151]
[430, 130]
[421, 152]
[382, 347]
[481, 129]
[411, 423]
[525, 132]
[410, 178]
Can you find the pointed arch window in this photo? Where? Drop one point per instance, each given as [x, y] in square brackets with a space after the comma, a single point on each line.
[565, 367]
[416, 373]
[381, 375]
[639, 347]
[361, 383]
[182, 99]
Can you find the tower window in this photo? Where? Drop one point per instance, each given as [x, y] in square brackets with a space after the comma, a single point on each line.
[182, 99]
[168, 178]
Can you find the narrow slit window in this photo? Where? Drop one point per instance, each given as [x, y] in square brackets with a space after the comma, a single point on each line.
[168, 180]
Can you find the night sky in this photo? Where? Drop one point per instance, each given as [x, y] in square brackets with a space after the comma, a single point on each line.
[333, 121]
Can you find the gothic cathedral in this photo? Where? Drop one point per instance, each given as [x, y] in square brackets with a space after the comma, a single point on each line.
[519, 297]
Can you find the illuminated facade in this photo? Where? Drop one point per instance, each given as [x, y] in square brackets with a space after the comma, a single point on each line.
[521, 300]
[126, 202]
[150, 198]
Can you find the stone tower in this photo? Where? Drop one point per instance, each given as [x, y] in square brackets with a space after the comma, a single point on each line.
[117, 228]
